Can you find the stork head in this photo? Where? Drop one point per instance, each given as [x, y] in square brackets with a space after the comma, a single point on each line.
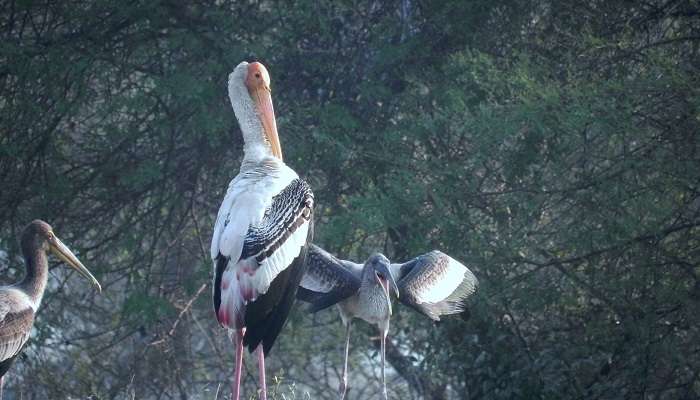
[39, 235]
[253, 80]
[381, 268]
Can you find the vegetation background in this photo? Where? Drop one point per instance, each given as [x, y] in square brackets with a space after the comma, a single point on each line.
[551, 145]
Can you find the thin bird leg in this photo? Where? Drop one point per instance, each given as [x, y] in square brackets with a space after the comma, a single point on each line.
[238, 342]
[2, 384]
[386, 397]
[261, 371]
[344, 381]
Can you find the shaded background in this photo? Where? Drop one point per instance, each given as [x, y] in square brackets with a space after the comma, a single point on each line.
[552, 146]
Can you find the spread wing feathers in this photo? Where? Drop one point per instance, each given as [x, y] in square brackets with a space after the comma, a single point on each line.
[328, 279]
[434, 284]
[15, 327]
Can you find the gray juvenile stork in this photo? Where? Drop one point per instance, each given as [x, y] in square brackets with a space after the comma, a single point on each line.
[265, 220]
[433, 284]
[19, 302]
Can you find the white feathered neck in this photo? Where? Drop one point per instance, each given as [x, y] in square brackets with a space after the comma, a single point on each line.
[255, 146]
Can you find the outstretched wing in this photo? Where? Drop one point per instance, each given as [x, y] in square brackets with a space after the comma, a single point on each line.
[328, 279]
[434, 284]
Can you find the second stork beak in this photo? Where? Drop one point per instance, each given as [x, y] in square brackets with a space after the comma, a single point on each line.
[64, 253]
[388, 281]
[392, 282]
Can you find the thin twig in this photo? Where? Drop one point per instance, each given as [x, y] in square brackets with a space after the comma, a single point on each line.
[187, 307]
[182, 313]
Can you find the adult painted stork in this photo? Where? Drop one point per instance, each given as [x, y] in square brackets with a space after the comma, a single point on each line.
[19, 302]
[264, 223]
[434, 284]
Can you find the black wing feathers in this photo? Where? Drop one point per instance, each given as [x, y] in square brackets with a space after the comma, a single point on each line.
[289, 210]
[265, 317]
[221, 263]
[327, 279]
[279, 224]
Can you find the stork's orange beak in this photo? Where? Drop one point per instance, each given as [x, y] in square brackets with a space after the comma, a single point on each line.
[258, 84]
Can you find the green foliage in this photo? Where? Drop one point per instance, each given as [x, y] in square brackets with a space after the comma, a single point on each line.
[145, 309]
[551, 145]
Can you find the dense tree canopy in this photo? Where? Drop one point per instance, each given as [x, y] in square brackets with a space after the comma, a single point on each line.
[552, 146]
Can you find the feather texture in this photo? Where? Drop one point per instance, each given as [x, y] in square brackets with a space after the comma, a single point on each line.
[435, 284]
[328, 280]
[259, 237]
[16, 319]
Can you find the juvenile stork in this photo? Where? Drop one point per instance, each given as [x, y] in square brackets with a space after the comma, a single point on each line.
[19, 302]
[265, 220]
[434, 284]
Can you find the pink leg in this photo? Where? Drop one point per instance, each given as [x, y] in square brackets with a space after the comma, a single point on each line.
[238, 342]
[261, 371]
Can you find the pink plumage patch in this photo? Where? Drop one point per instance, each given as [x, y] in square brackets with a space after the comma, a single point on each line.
[237, 290]
[248, 293]
[222, 316]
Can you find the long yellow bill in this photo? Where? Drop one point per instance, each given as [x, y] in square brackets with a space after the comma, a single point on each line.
[64, 253]
[258, 84]
[263, 101]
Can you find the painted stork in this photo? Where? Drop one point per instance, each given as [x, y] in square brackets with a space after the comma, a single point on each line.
[434, 284]
[265, 221]
[19, 302]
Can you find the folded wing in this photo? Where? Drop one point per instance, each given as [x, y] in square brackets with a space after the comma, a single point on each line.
[15, 326]
[259, 259]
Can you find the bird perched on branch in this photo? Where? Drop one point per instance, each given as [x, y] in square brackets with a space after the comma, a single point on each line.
[265, 220]
[20, 302]
[434, 284]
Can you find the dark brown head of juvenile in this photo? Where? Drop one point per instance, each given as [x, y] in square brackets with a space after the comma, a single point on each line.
[38, 236]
